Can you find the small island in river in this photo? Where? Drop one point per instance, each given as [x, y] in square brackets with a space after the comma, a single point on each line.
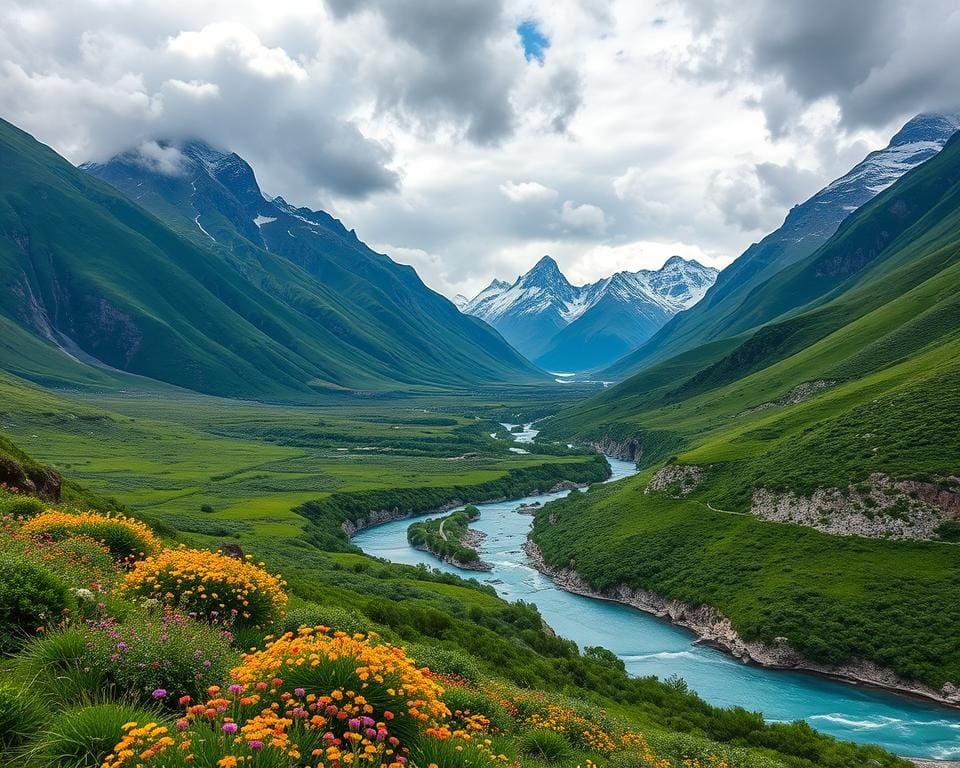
[450, 538]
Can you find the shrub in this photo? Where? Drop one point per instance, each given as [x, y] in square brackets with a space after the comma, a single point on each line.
[148, 653]
[949, 530]
[309, 695]
[446, 661]
[84, 737]
[21, 716]
[208, 585]
[31, 598]
[466, 704]
[313, 615]
[460, 750]
[123, 536]
[545, 745]
[19, 506]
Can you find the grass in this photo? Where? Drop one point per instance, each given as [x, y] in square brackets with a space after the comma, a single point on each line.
[884, 338]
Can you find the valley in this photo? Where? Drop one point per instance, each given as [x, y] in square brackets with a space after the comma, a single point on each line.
[766, 457]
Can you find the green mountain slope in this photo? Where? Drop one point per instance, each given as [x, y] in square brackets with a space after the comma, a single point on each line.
[94, 277]
[840, 419]
[728, 308]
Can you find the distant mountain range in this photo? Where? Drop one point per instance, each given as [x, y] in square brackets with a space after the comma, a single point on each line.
[730, 306]
[568, 328]
[190, 276]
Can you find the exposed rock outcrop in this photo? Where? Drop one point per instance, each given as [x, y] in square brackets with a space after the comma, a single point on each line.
[798, 394]
[878, 508]
[678, 480]
[630, 449]
[42, 482]
[713, 628]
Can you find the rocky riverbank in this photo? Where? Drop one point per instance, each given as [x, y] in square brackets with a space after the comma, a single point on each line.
[715, 629]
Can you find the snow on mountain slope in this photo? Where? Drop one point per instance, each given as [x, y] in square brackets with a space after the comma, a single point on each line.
[542, 304]
[806, 227]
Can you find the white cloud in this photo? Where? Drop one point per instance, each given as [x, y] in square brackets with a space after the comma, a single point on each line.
[168, 161]
[525, 191]
[649, 128]
[583, 218]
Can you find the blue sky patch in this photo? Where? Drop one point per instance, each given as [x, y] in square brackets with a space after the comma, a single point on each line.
[534, 42]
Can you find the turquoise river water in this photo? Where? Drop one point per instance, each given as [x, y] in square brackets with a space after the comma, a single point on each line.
[651, 646]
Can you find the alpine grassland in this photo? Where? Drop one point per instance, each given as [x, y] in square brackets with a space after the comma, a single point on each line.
[190, 656]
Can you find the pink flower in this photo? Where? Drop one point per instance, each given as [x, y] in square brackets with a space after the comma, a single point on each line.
[235, 689]
[182, 725]
[255, 744]
[160, 693]
[229, 727]
[299, 692]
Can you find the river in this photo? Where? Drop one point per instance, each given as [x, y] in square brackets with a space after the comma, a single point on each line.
[651, 646]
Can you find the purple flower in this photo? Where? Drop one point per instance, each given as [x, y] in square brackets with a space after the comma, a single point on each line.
[255, 744]
[368, 721]
[354, 723]
[235, 689]
[229, 727]
[371, 733]
[160, 693]
[206, 664]
[122, 647]
[299, 692]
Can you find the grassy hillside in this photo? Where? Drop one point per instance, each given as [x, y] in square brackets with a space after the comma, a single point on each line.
[854, 392]
[516, 695]
[95, 275]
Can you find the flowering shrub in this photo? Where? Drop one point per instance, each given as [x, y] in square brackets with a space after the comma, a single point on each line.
[310, 699]
[167, 652]
[208, 585]
[125, 537]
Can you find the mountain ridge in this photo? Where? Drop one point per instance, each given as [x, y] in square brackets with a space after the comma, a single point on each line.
[179, 278]
[805, 228]
[564, 327]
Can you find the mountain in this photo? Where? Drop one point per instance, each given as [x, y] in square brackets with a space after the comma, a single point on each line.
[460, 301]
[221, 291]
[802, 474]
[806, 227]
[563, 327]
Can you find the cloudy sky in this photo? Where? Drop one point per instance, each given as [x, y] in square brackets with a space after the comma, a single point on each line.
[470, 137]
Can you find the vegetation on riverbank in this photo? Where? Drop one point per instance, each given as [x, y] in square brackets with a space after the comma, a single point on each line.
[492, 658]
[444, 537]
[851, 389]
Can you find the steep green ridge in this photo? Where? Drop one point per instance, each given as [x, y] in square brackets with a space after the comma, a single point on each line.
[728, 307]
[860, 384]
[94, 274]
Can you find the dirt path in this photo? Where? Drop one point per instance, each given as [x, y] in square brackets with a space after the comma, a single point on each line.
[442, 534]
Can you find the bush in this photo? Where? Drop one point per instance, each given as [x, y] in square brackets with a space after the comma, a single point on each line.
[149, 653]
[209, 585]
[949, 530]
[84, 737]
[466, 702]
[545, 745]
[123, 536]
[31, 598]
[19, 506]
[446, 661]
[457, 752]
[313, 615]
[21, 716]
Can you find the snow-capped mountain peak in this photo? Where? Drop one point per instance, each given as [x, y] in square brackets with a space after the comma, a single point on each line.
[541, 303]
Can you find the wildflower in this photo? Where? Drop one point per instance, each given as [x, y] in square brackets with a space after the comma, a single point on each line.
[230, 728]
[159, 693]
